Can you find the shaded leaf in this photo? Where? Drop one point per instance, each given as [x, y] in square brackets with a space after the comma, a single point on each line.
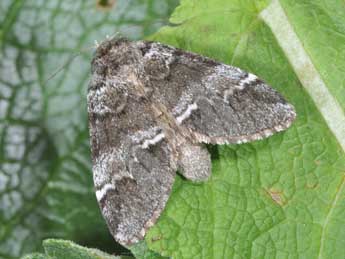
[64, 249]
[46, 185]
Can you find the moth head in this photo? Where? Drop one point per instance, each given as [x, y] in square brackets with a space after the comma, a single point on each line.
[116, 67]
[115, 56]
[156, 59]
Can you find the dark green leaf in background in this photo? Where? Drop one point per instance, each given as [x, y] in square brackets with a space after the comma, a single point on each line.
[46, 185]
[62, 249]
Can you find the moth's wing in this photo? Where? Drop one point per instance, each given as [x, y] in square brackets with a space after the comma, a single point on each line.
[217, 103]
[248, 114]
[133, 166]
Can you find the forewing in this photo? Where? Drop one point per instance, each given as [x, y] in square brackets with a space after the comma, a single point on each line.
[246, 113]
[132, 162]
[217, 103]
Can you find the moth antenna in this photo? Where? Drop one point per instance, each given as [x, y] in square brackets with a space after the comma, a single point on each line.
[62, 67]
[86, 49]
[113, 36]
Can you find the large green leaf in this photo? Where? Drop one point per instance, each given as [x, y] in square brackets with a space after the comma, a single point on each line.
[282, 197]
[63, 249]
[278, 198]
[45, 168]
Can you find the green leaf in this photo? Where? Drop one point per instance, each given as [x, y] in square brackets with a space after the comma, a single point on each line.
[36, 256]
[46, 185]
[282, 197]
[63, 249]
[278, 198]
[141, 250]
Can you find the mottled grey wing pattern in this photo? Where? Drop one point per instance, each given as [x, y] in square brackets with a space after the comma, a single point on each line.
[133, 166]
[150, 106]
[218, 103]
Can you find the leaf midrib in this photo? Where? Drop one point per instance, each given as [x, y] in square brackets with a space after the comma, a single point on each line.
[268, 17]
[329, 214]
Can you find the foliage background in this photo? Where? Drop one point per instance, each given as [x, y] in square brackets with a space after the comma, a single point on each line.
[278, 198]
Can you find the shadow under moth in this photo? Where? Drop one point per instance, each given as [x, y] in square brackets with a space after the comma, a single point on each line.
[151, 107]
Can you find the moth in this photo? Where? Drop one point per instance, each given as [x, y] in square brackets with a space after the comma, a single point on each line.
[151, 109]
